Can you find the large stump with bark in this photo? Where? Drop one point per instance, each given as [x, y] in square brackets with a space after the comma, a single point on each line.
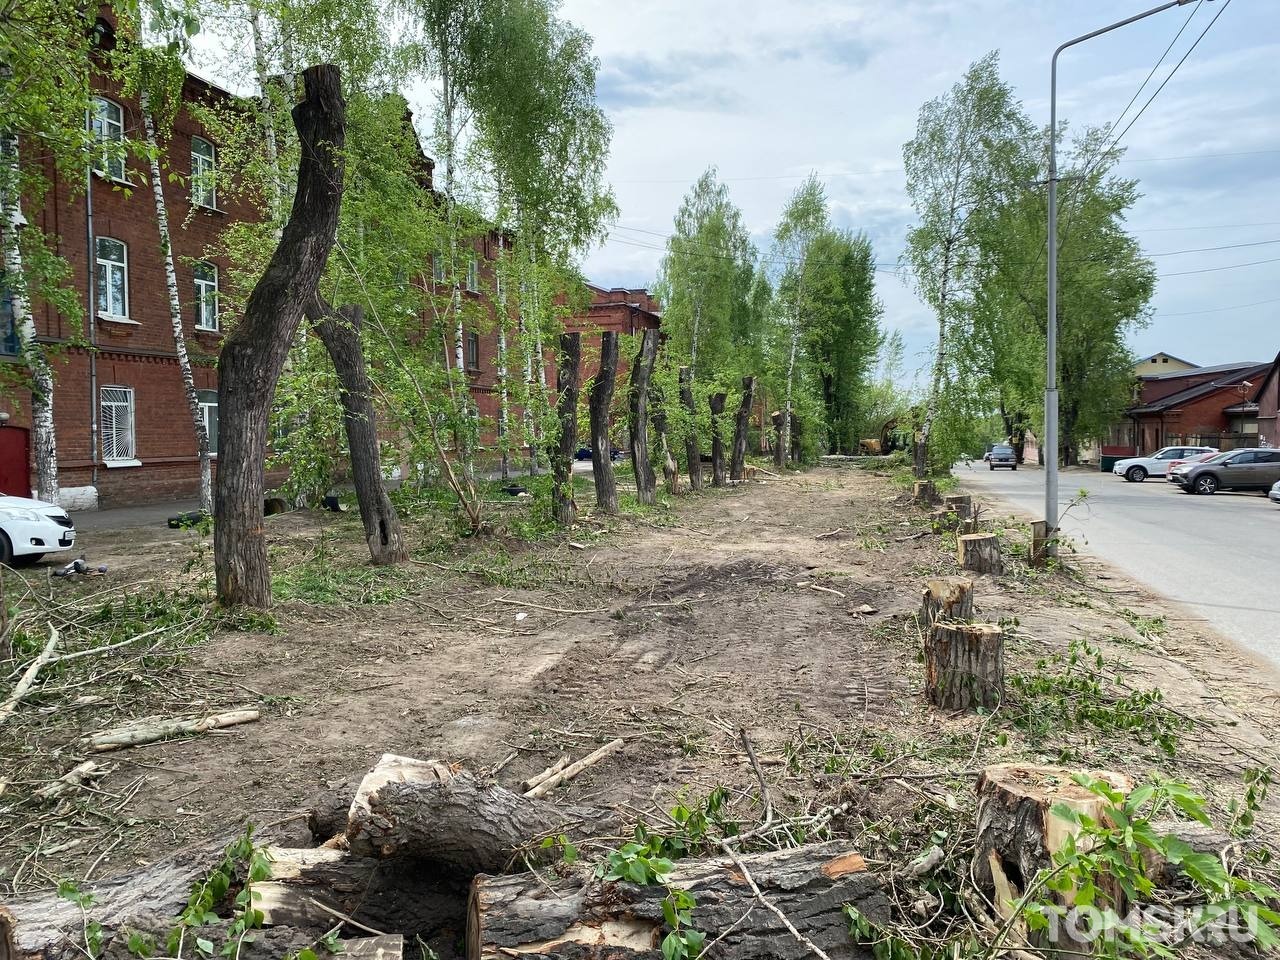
[576, 917]
[964, 665]
[946, 598]
[979, 552]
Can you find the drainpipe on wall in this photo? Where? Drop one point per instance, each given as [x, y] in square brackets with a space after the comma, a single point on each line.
[91, 312]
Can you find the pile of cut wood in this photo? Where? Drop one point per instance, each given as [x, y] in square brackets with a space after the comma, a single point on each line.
[421, 849]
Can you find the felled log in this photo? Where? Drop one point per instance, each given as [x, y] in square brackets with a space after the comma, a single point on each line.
[1200, 838]
[149, 731]
[979, 552]
[334, 878]
[946, 598]
[579, 916]
[423, 809]
[964, 665]
[1017, 833]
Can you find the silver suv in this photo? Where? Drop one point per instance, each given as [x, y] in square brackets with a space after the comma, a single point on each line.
[1253, 468]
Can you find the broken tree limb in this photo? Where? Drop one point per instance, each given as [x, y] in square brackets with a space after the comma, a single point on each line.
[527, 785]
[964, 665]
[571, 771]
[979, 552]
[75, 778]
[423, 809]
[946, 598]
[804, 889]
[150, 731]
[23, 686]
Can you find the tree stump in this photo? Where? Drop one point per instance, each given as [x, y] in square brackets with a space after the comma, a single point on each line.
[1043, 545]
[946, 599]
[718, 473]
[563, 507]
[924, 491]
[599, 401]
[1017, 833]
[959, 504]
[638, 419]
[579, 916]
[693, 455]
[979, 552]
[964, 665]
[741, 424]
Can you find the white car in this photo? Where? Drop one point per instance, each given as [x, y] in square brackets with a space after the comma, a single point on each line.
[1275, 493]
[31, 528]
[1137, 469]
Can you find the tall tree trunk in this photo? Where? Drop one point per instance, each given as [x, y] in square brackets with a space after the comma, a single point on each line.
[693, 343]
[175, 314]
[692, 452]
[670, 469]
[829, 404]
[780, 430]
[270, 149]
[563, 507]
[253, 354]
[638, 418]
[599, 401]
[717, 439]
[741, 426]
[504, 403]
[784, 437]
[339, 331]
[42, 427]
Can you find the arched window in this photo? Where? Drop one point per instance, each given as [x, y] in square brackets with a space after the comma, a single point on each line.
[113, 278]
[108, 127]
[204, 173]
[206, 277]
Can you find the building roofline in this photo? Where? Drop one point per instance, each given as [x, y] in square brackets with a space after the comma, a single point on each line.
[1170, 356]
[1198, 391]
[1272, 373]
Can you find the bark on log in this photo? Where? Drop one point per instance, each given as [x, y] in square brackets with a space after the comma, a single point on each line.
[339, 332]
[718, 472]
[1017, 833]
[924, 491]
[979, 552]
[458, 822]
[147, 731]
[563, 507]
[638, 419]
[599, 402]
[693, 455]
[1200, 838]
[741, 424]
[964, 665]
[1043, 545]
[579, 917]
[254, 352]
[779, 448]
[947, 599]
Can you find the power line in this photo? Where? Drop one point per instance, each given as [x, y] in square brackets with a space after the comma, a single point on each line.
[1230, 266]
[1238, 306]
[1137, 93]
[1215, 226]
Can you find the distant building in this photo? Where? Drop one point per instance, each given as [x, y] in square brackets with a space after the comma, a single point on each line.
[1210, 406]
[1161, 363]
[1266, 399]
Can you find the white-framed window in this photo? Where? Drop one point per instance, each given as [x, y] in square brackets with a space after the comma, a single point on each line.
[206, 280]
[437, 267]
[115, 421]
[473, 351]
[209, 413]
[204, 173]
[473, 276]
[113, 277]
[108, 127]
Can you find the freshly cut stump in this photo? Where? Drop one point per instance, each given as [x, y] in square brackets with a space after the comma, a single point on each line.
[1017, 832]
[964, 665]
[979, 552]
[946, 598]
[423, 809]
[1043, 545]
[579, 917]
[924, 491]
[959, 504]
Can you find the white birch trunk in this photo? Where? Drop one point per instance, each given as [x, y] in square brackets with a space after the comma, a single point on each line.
[791, 367]
[693, 345]
[448, 100]
[44, 435]
[268, 122]
[175, 314]
[502, 369]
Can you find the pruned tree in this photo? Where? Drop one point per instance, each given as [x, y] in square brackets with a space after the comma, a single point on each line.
[741, 425]
[600, 402]
[693, 452]
[254, 353]
[638, 418]
[563, 507]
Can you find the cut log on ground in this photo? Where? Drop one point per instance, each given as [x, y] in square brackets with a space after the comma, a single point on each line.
[537, 778]
[964, 665]
[572, 770]
[149, 731]
[579, 916]
[1197, 836]
[456, 821]
[946, 599]
[741, 424]
[335, 877]
[924, 491]
[75, 778]
[979, 552]
[1043, 545]
[1018, 834]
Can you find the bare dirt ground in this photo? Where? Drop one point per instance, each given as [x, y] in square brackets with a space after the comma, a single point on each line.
[786, 607]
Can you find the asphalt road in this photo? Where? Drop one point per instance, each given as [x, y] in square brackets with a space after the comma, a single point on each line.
[1218, 555]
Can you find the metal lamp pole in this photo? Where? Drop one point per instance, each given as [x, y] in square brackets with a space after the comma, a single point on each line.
[1051, 346]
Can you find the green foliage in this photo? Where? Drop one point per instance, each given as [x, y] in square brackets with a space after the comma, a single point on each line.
[327, 578]
[243, 863]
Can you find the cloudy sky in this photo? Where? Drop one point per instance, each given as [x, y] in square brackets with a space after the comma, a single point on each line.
[768, 91]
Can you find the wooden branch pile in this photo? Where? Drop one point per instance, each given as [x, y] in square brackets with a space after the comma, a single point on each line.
[420, 848]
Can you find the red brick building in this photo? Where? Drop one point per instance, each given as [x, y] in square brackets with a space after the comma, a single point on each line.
[1206, 405]
[1267, 400]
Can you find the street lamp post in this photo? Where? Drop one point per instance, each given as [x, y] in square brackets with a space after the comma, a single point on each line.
[1051, 344]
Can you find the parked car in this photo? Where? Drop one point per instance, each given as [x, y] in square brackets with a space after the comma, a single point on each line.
[1002, 456]
[1200, 459]
[1137, 469]
[1275, 493]
[31, 528]
[1253, 468]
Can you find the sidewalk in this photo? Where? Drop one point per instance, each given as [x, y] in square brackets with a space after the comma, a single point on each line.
[125, 518]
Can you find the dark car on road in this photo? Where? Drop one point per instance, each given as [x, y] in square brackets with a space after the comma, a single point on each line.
[1253, 468]
[1002, 456]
